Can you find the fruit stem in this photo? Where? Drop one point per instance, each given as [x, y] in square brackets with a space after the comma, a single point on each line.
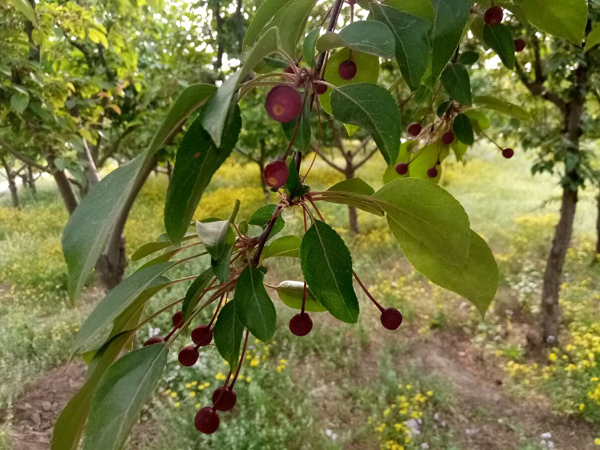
[364, 288]
[237, 372]
[335, 12]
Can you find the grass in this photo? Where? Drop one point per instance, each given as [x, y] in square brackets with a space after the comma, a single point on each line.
[345, 385]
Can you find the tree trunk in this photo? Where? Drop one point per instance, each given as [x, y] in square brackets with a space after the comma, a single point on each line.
[64, 186]
[554, 268]
[169, 168]
[352, 211]
[220, 49]
[111, 265]
[31, 179]
[261, 168]
[12, 184]
[89, 167]
[598, 229]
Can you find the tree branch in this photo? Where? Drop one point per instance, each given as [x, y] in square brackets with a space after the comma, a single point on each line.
[366, 158]
[327, 161]
[539, 90]
[10, 149]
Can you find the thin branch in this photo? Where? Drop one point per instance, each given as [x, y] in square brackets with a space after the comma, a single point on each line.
[10, 149]
[369, 156]
[327, 161]
[539, 90]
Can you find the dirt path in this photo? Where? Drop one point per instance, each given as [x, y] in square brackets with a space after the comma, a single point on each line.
[494, 420]
[36, 411]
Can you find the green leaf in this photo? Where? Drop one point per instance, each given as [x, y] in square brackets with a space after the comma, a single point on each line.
[468, 58]
[288, 246]
[193, 294]
[450, 20]
[120, 396]
[390, 173]
[426, 158]
[69, 426]
[480, 118]
[215, 235]
[291, 294]
[593, 39]
[222, 266]
[500, 39]
[196, 162]
[561, 18]
[262, 216]
[412, 41]
[303, 137]
[116, 301]
[214, 114]
[253, 304]
[457, 83]
[264, 15]
[419, 8]
[367, 36]
[327, 268]
[373, 108]
[25, 8]
[292, 25]
[228, 334]
[463, 129]
[162, 243]
[354, 185]
[309, 46]
[367, 71]
[430, 215]
[477, 280]
[502, 106]
[84, 239]
[19, 102]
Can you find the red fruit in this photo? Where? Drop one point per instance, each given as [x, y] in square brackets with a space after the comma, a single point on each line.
[202, 335]
[319, 89]
[347, 70]
[226, 401]
[276, 174]
[432, 172]
[188, 356]
[289, 69]
[207, 420]
[283, 103]
[414, 129]
[448, 138]
[508, 153]
[301, 324]
[154, 340]
[177, 319]
[493, 16]
[520, 45]
[391, 318]
[402, 168]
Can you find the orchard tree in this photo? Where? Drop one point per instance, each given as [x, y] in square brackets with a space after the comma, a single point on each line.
[558, 72]
[431, 226]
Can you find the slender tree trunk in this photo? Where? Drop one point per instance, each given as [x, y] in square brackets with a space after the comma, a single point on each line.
[64, 186]
[554, 268]
[352, 211]
[219, 20]
[111, 265]
[12, 184]
[89, 167]
[238, 20]
[597, 229]
[31, 179]
[169, 168]
[261, 168]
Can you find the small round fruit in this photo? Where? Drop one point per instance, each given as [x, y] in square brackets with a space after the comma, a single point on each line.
[207, 420]
[226, 401]
[283, 103]
[276, 174]
[414, 129]
[402, 168]
[508, 153]
[520, 45]
[448, 138]
[188, 356]
[319, 88]
[289, 69]
[202, 335]
[347, 70]
[177, 319]
[154, 340]
[432, 172]
[391, 318]
[493, 16]
[301, 324]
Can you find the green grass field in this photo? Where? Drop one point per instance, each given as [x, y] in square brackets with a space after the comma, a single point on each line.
[445, 380]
